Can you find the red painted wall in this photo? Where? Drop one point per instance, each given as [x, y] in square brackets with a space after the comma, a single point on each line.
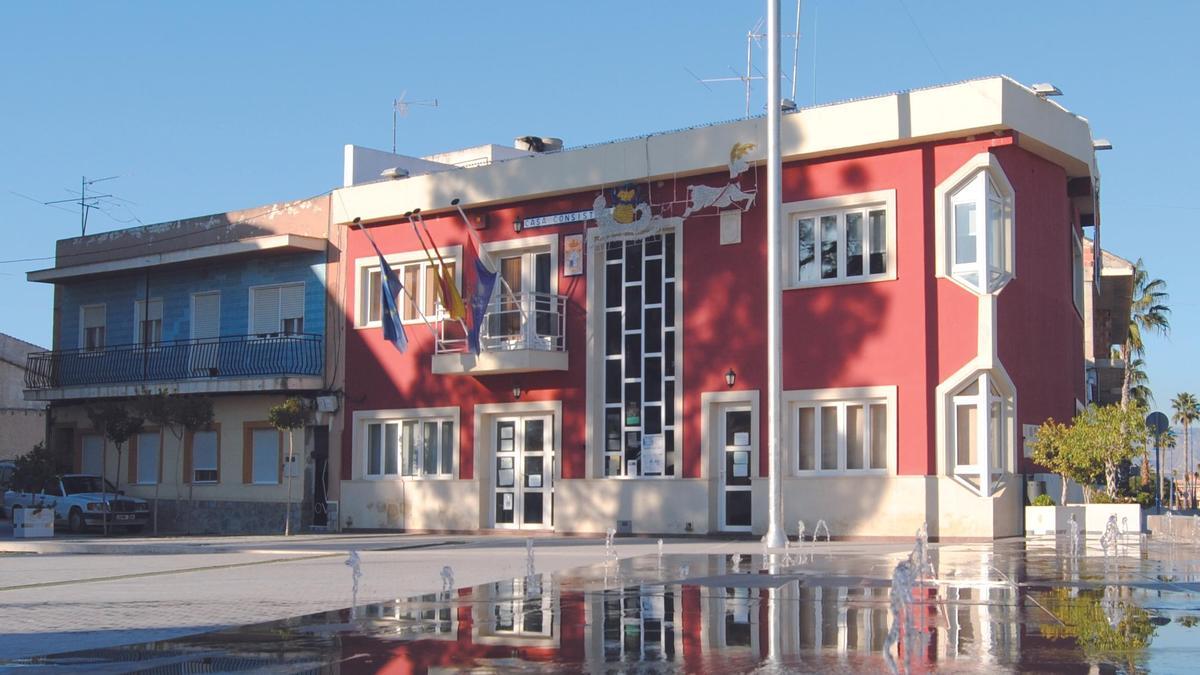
[911, 332]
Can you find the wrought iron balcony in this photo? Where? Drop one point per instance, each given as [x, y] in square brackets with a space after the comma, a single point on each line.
[521, 332]
[240, 356]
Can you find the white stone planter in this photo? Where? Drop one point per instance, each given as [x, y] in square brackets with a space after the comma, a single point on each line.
[31, 523]
[1092, 518]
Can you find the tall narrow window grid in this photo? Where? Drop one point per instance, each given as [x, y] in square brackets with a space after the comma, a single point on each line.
[639, 359]
[420, 447]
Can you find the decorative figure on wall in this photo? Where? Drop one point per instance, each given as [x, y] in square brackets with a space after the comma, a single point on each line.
[703, 196]
[625, 199]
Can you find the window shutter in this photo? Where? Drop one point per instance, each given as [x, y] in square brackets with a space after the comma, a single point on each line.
[187, 456]
[291, 302]
[247, 454]
[206, 317]
[93, 317]
[132, 461]
[265, 311]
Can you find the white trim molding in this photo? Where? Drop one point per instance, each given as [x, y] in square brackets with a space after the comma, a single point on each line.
[987, 163]
[399, 259]
[838, 206]
[795, 399]
[710, 401]
[358, 440]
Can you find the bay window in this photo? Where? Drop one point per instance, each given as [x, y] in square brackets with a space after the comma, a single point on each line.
[978, 208]
[980, 416]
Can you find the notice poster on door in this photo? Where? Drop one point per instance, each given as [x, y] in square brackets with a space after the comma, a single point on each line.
[508, 501]
[654, 455]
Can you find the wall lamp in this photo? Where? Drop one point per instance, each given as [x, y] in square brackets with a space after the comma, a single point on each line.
[517, 391]
[730, 377]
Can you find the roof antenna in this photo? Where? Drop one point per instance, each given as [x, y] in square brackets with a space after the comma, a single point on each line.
[400, 108]
[754, 36]
[85, 201]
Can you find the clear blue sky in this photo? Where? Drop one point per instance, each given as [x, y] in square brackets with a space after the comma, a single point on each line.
[204, 107]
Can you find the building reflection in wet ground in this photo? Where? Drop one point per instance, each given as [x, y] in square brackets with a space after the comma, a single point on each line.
[1015, 606]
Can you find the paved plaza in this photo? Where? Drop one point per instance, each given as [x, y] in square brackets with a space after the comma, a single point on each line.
[135, 590]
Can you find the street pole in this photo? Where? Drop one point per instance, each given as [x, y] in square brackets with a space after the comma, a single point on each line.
[1158, 470]
[776, 537]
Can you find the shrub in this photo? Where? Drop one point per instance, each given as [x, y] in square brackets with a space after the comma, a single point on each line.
[1043, 500]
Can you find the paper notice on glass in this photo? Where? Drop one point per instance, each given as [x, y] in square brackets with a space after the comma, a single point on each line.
[741, 438]
[505, 478]
[741, 465]
[506, 432]
[654, 455]
[535, 481]
[653, 605]
[508, 501]
[631, 468]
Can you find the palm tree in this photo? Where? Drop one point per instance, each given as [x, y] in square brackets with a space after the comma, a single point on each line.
[1147, 313]
[1187, 410]
[1139, 383]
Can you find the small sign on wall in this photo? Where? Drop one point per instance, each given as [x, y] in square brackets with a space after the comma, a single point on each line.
[731, 227]
[572, 255]
[654, 454]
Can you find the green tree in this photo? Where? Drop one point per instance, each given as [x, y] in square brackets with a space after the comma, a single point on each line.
[292, 414]
[1105, 436]
[32, 469]
[1116, 630]
[1148, 313]
[1052, 449]
[1187, 411]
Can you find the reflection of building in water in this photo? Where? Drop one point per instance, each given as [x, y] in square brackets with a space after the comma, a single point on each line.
[688, 625]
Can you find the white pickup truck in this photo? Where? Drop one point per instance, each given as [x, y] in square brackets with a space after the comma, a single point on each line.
[80, 502]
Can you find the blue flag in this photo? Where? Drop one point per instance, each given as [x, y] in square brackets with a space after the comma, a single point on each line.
[389, 289]
[485, 283]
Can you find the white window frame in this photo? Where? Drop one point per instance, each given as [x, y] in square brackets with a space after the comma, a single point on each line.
[1077, 272]
[83, 327]
[216, 467]
[527, 248]
[365, 266]
[839, 206]
[139, 316]
[840, 398]
[279, 329]
[958, 189]
[992, 462]
[364, 419]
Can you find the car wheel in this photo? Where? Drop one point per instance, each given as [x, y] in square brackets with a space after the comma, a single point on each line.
[75, 521]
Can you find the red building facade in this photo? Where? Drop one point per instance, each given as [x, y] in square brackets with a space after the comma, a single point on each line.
[931, 306]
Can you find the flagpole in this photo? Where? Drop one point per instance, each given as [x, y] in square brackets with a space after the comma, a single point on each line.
[776, 536]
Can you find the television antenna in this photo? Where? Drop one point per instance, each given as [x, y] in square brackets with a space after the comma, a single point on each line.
[755, 36]
[85, 201]
[400, 109]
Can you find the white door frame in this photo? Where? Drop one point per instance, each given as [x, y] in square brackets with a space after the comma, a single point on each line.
[519, 456]
[723, 486]
[486, 416]
[712, 413]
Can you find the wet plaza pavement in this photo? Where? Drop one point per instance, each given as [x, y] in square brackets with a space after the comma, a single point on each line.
[1023, 605]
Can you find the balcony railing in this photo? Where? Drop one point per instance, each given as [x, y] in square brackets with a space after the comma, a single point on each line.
[514, 321]
[274, 354]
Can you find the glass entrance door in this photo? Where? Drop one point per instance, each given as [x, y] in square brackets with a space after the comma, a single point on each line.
[735, 469]
[524, 473]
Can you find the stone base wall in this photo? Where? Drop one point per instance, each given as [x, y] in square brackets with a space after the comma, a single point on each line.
[224, 517]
